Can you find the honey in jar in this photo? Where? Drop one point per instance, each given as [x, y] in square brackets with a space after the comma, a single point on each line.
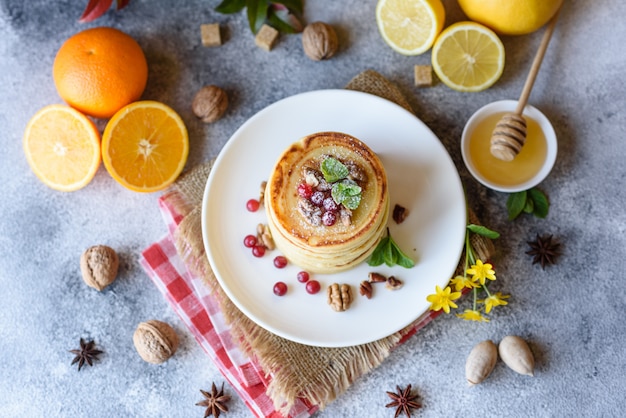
[507, 173]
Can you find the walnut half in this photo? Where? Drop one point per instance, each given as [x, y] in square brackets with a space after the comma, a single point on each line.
[339, 297]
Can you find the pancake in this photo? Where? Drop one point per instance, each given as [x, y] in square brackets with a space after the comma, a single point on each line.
[300, 225]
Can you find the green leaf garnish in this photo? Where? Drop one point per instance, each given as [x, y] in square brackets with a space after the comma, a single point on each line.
[484, 231]
[334, 170]
[347, 192]
[401, 259]
[376, 259]
[388, 252]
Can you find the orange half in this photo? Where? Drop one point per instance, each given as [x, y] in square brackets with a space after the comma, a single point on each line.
[145, 146]
[62, 147]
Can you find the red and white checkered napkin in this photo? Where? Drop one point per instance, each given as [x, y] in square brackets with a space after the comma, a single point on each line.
[192, 300]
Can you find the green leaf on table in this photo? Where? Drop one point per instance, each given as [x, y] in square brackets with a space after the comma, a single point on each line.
[231, 6]
[516, 203]
[283, 15]
[541, 206]
[483, 231]
[334, 170]
[284, 21]
[530, 205]
[257, 13]
[348, 193]
[296, 6]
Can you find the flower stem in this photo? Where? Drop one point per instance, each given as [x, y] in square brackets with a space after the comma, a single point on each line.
[468, 249]
[475, 291]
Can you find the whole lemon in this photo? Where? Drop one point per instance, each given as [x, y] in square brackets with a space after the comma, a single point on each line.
[511, 17]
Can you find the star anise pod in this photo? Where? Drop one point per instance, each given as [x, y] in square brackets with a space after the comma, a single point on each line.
[403, 401]
[544, 250]
[85, 354]
[215, 401]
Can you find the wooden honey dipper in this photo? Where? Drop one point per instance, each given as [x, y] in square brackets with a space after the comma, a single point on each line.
[509, 135]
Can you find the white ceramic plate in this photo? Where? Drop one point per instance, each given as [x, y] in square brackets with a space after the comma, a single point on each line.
[421, 176]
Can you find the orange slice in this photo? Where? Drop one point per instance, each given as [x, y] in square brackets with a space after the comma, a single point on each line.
[145, 146]
[62, 147]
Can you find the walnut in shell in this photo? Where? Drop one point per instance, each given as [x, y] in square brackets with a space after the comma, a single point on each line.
[319, 41]
[155, 341]
[99, 265]
[210, 103]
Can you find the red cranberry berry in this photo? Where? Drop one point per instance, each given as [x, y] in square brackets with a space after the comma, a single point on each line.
[317, 198]
[330, 204]
[305, 190]
[280, 288]
[329, 218]
[312, 287]
[280, 261]
[303, 276]
[258, 251]
[252, 205]
[249, 241]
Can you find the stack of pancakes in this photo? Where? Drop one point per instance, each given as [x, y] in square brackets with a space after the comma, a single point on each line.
[321, 248]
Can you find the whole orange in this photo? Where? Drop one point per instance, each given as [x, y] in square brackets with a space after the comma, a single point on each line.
[100, 70]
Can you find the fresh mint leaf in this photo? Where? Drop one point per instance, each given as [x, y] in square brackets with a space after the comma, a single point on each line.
[334, 170]
[348, 193]
[352, 202]
[389, 255]
[388, 252]
[231, 6]
[515, 204]
[530, 205]
[541, 206]
[484, 231]
[401, 259]
[376, 259]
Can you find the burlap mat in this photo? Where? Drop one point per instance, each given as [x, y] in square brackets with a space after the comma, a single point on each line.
[314, 373]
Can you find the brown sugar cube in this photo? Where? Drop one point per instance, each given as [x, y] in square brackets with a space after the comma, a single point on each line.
[266, 37]
[423, 76]
[210, 33]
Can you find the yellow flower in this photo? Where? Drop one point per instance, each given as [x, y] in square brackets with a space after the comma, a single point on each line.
[472, 315]
[481, 272]
[461, 282]
[494, 300]
[443, 299]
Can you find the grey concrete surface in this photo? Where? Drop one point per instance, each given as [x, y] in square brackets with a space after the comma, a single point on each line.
[571, 313]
